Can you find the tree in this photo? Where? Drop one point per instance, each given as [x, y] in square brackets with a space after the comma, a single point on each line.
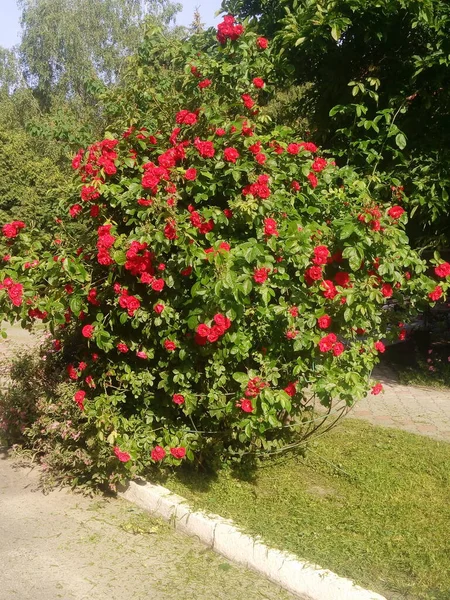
[67, 43]
[385, 67]
[197, 25]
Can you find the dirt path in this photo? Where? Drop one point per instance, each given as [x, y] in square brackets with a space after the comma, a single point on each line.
[65, 546]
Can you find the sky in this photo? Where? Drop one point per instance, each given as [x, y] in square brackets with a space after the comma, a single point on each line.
[10, 27]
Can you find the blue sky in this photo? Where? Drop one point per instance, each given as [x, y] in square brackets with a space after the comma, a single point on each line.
[10, 27]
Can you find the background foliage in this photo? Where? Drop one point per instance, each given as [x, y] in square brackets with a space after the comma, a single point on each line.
[375, 79]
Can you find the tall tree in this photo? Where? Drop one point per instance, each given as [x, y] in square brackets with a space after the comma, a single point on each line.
[67, 43]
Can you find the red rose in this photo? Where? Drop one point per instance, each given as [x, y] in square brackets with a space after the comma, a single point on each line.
[402, 334]
[230, 155]
[191, 174]
[205, 149]
[380, 347]
[435, 294]
[222, 321]
[258, 82]
[324, 322]
[377, 388]
[122, 456]
[170, 231]
[262, 43]
[330, 291]
[142, 354]
[79, 399]
[178, 399]
[178, 452]
[123, 348]
[248, 101]
[309, 146]
[270, 227]
[293, 148]
[291, 389]
[342, 279]
[313, 274]
[9, 230]
[186, 272]
[169, 345]
[75, 210]
[204, 84]
[313, 180]
[338, 348]
[87, 331]
[293, 311]
[220, 131]
[375, 225]
[76, 162]
[246, 405]
[15, 293]
[254, 386]
[203, 330]
[396, 212]
[321, 254]
[228, 29]
[158, 453]
[260, 275]
[214, 334]
[326, 343]
[319, 165]
[387, 290]
[186, 117]
[260, 158]
[442, 270]
[159, 308]
[158, 285]
[295, 186]
[89, 193]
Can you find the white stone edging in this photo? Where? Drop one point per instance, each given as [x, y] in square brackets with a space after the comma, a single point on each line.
[306, 580]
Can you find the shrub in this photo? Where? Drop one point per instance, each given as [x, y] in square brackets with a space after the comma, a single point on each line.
[229, 271]
[39, 418]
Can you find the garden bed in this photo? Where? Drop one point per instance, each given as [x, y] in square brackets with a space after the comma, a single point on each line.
[369, 503]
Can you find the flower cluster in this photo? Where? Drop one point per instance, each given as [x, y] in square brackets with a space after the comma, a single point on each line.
[229, 29]
[205, 333]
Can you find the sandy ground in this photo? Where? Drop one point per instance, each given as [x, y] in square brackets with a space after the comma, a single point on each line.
[66, 546]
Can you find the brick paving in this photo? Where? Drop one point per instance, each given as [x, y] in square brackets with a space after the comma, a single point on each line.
[421, 410]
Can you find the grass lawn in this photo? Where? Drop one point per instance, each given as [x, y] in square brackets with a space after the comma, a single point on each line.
[369, 503]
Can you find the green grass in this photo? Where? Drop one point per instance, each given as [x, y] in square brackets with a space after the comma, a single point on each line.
[422, 376]
[369, 503]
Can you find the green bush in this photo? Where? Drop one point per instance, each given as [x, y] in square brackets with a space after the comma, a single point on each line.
[227, 271]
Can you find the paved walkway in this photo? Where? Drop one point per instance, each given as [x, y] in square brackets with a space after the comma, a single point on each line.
[421, 410]
[68, 547]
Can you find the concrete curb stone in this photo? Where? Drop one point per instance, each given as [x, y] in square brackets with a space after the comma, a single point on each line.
[303, 579]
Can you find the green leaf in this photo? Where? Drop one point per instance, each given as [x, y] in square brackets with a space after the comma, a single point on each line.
[247, 286]
[336, 33]
[400, 140]
[240, 377]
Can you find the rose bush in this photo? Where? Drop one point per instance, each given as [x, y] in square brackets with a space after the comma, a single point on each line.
[226, 270]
